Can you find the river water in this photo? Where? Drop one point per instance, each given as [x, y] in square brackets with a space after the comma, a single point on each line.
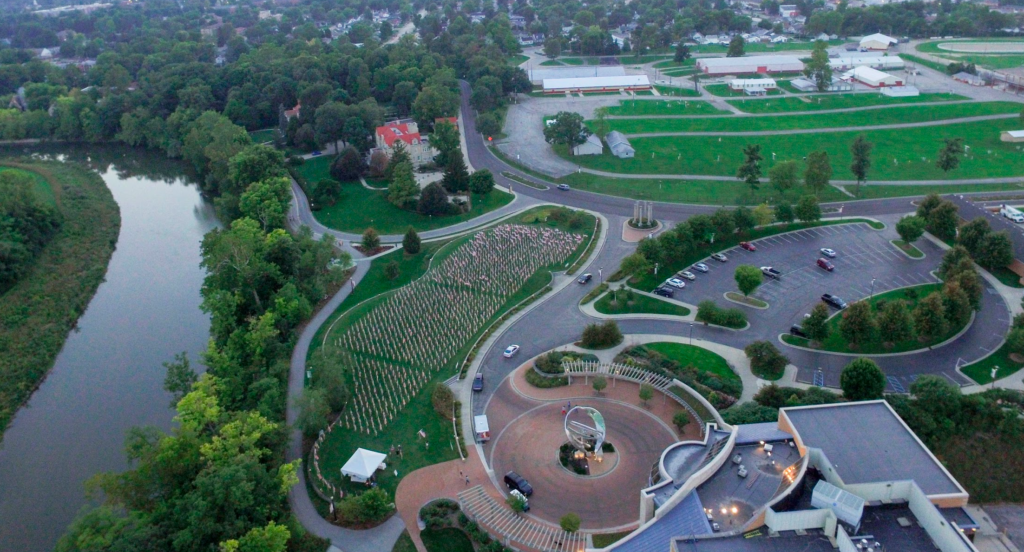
[109, 376]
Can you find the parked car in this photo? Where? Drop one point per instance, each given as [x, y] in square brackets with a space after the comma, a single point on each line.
[563, 187]
[686, 274]
[700, 267]
[771, 272]
[519, 495]
[824, 263]
[830, 253]
[676, 283]
[510, 351]
[478, 382]
[317, 153]
[834, 300]
[585, 278]
[797, 330]
[516, 482]
[720, 257]
[748, 246]
[665, 291]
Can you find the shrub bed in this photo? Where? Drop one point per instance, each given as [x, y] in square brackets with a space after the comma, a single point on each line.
[720, 391]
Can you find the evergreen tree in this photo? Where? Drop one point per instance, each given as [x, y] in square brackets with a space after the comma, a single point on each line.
[735, 47]
[816, 325]
[860, 151]
[399, 155]
[456, 177]
[371, 240]
[950, 154]
[434, 201]
[402, 188]
[411, 242]
[481, 182]
[818, 172]
[750, 170]
[862, 380]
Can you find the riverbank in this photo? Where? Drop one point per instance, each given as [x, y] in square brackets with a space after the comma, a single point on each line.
[37, 314]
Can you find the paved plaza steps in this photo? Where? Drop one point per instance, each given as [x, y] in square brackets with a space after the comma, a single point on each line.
[514, 530]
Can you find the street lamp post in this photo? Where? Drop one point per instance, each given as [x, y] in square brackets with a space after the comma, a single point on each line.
[691, 333]
[994, 372]
[872, 289]
[600, 274]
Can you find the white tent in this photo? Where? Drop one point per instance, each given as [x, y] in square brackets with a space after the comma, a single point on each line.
[363, 464]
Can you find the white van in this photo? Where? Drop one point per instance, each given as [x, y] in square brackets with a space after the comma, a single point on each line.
[1012, 214]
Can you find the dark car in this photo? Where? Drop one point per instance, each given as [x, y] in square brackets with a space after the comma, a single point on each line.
[796, 330]
[516, 482]
[478, 382]
[824, 263]
[834, 301]
[585, 278]
[665, 291]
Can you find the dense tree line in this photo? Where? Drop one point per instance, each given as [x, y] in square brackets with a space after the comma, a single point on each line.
[26, 225]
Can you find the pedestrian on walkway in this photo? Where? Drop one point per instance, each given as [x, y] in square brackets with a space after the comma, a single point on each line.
[467, 480]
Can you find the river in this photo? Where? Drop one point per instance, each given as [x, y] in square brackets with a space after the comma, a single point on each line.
[109, 376]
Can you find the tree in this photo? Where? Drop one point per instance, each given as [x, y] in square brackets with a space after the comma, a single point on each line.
[326, 193]
[635, 264]
[930, 317]
[943, 220]
[784, 213]
[456, 176]
[748, 278]
[553, 47]
[972, 236]
[570, 523]
[860, 151]
[818, 68]
[567, 129]
[402, 189]
[516, 502]
[816, 325]
[600, 383]
[434, 102]
[1015, 341]
[807, 209]
[180, 377]
[601, 336]
[682, 52]
[411, 242]
[646, 393]
[681, 419]
[443, 400]
[313, 411]
[735, 47]
[391, 270]
[348, 165]
[970, 283]
[956, 304]
[329, 122]
[267, 201]
[894, 322]
[818, 172]
[857, 324]
[744, 219]
[750, 170]
[955, 260]
[763, 214]
[487, 93]
[784, 175]
[723, 222]
[378, 164]
[330, 370]
[434, 201]
[371, 240]
[481, 182]
[927, 205]
[253, 164]
[996, 250]
[910, 228]
[765, 360]
[862, 380]
[950, 154]
[445, 140]
[487, 124]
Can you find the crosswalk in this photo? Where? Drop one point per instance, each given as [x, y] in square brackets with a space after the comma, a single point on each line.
[516, 530]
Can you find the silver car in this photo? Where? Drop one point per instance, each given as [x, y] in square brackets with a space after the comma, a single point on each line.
[700, 267]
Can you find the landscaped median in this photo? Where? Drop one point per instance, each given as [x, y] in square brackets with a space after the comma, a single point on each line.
[908, 248]
[627, 301]
[836, 101]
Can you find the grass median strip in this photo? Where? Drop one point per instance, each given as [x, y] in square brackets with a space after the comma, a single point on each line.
[627, 301]
[908, 248]
[835, 101]
[664, 107]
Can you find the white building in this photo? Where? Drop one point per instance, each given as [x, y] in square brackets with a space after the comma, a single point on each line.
[805, 84]
[750, 65]
[753, 87]
[619, 145]
[592, 146]
[877, 41]
[872, 77]
[877, 61]
[597, 84]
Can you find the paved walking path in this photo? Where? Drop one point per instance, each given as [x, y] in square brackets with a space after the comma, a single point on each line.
[740, 113]
[999, 180]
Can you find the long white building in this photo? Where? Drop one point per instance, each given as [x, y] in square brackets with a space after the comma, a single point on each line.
[875, 61]
[750, 65]
[872, 77]
[597, 84]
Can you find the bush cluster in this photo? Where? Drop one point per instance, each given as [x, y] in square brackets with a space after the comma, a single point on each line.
[709, 312]
[720, 392]
[369, 507]
[601, 336]
[438, 514]
[551, 363]
[765, 360]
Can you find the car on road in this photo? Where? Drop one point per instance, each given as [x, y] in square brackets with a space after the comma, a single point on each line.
[700, 267]
[563, 187]
[771, 272]
[748, 246]
[834, 300]
[720, 257]
[665, 291]
[797, 330]
[824, 263]
[676, 283]
[478, 382]
[585, 278]
[510, 351]
[516, 482]
[830, 253]
[686, 274]
[317, 153]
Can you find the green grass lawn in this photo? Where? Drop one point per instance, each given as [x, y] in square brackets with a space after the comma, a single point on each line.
[746, 300]
[448, 539]
[981, 371]
[681, 72]
[670, 63]
[991, 61]
[725, 91]
[264, 136]
[404, 543]
[551, 63]
[932, 47]
[360, 208]
[639, 304]
[873, 117]
[517, 59]
[908, 248]
[760, 47]
[837, 101]
[898, 154]
[689, 355]
[604, 540]
[665, 107]
[42, 189]
[673, 91]
[836, 343]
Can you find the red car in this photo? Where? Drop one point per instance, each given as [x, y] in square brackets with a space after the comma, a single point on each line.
[748, 246]
[823, 263]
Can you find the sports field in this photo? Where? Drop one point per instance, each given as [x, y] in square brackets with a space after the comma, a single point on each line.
[873, 117]
[837, 101]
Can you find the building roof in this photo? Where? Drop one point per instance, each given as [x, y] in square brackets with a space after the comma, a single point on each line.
[397, 131]
[1016, 133]
[616, 138]
[754, 433]
[867, 442]
[763, 82]
[854, 58]
[363, 463]
[750, 60]
[967, 77]
[541, 73]
[625, 81]
[879, 37]
[866, 73]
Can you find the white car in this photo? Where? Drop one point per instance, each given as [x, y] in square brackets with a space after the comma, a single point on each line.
[700, 267]
[676, 283]
[510, 351]
[720, 257]
[688, 275]
[828, 252]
